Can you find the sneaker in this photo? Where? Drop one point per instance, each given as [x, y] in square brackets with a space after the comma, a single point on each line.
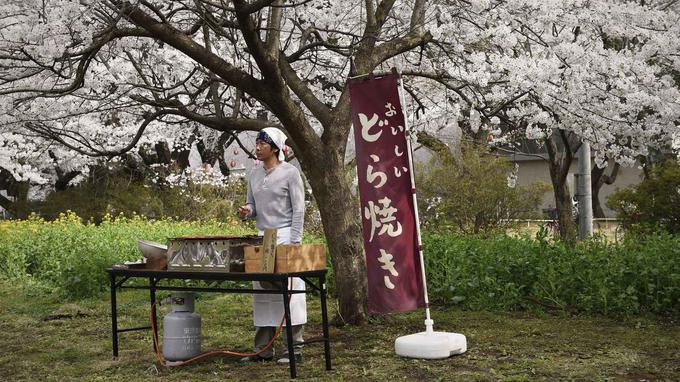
[256, 358]
[285, 359]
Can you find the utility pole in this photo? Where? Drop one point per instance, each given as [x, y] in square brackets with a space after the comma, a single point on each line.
[584, 193]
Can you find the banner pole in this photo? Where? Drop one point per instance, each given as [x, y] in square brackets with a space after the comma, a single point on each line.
[428, 321]
[428, 344]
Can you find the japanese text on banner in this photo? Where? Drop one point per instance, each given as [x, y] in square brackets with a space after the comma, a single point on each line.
[385, 195]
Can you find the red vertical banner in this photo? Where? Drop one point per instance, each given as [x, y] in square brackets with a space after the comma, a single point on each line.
[392, 259]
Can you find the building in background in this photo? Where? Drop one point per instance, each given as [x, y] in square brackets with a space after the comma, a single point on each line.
[532, 168]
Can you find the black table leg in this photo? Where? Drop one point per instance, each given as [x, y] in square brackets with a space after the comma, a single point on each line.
[324, 320]
[114, 318]
[152, 298]
[155, 277]
[289, 328]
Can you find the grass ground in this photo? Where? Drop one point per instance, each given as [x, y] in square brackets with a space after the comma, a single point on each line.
[502, 346]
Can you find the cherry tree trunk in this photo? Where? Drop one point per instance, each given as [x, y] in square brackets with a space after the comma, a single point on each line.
[342, 227]
[559, 161]
[20, 208]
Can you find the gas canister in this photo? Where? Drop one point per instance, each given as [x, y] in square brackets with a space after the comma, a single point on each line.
[181, 329]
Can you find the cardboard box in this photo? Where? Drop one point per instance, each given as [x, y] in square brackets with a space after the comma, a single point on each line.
[289, 258]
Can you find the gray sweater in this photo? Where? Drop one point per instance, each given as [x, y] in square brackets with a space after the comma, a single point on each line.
[277, 198]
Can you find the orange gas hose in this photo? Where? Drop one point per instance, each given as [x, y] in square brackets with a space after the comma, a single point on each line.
[213, 353]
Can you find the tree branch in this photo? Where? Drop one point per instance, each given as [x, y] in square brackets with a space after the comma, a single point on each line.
[371, 25]
[392, 48]
[382, 12]
[268, 64]
[273, 39]
[418, 16]
[318, 108]
[255, 6]
[200, 54]
[85, 57]
[6, 203]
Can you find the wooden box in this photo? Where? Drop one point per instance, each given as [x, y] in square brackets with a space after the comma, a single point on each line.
[289, 258]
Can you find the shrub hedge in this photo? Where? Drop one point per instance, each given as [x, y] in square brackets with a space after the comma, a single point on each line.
[71, 255]
[639, 275]
[642, 274]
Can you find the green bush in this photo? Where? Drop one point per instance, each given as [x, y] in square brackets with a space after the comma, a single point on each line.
[654, 202]
[72, 256]
[112, 192]
[490, 272]
[473, 193]
[507, 273]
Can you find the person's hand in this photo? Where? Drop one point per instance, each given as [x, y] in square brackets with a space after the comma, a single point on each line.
[244, 211]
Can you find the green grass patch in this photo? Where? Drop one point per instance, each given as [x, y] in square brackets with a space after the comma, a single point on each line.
[502, 346]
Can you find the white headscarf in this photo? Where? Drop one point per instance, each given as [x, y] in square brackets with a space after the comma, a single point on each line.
[279, 139]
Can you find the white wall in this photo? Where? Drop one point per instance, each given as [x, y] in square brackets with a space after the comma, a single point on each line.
[536, 169]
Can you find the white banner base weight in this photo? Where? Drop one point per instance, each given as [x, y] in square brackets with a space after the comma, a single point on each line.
[430, 344]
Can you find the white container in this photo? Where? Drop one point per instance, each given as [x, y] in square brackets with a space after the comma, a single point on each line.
[152, 250]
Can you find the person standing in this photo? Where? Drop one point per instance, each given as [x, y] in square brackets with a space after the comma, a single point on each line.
[275, 198]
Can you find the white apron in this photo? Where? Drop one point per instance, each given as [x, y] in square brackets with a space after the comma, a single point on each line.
[268, 308]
